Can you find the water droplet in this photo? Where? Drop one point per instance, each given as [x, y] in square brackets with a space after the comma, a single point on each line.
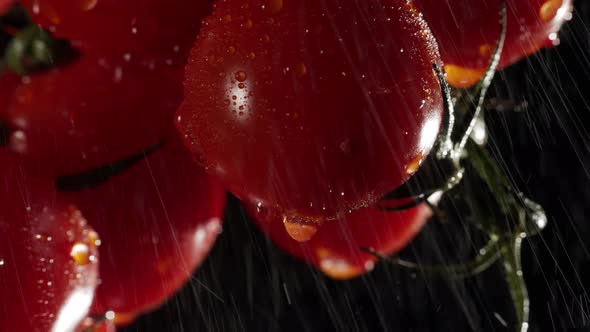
[549, 9]
[241, 76]
[81, 254]
[414, 164]
[298, 230]
[336, 267]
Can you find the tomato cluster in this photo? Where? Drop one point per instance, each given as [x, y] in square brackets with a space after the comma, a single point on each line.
[309, 111]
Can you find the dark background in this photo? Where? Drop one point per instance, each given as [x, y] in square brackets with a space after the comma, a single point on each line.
[248, 285]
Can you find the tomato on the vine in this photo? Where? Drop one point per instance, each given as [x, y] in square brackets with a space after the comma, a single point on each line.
[312, 107]
[158, 220]
[338, 249]
[48, 253]
[91, 112]
[162, 29]
[468, 30]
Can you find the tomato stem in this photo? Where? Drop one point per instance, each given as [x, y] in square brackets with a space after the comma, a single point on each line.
[511, 254]
[482, 87]
[487, 256]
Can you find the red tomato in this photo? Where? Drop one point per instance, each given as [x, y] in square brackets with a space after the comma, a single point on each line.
[92, 112]
[162, 29]
[336, 247]
[48, 254]
[468, 30]
[157, 220]
[312, 107]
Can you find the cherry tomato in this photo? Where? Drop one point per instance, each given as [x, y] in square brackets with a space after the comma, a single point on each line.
[157, 220]
[161, 29]
[336, 247]
[312, 107]
[92, 112]
[48, 254]
[468, 31]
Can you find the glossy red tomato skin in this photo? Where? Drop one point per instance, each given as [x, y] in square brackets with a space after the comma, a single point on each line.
[5, 5]
[295, 108]
[336, 248]
[157, 220]
[468, 30]
[152, 29]
[43, 286]
[92, 112]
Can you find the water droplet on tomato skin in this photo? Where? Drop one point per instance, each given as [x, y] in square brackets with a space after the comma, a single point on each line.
[548, 10]
[241, 76]
[338, 268]
[334, 249]
[299, 230]
[81, 254]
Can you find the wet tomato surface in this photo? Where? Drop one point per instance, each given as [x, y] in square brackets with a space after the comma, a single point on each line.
[48, 253]
[305, 107]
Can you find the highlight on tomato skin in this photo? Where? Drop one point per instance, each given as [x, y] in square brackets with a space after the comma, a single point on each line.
[48, 253]
[160, 30]
[467, 32]
[90, 113]
[295, 108]
[157, 220]
[336, 247]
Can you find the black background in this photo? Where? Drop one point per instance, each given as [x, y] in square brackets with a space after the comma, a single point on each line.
[243, 285]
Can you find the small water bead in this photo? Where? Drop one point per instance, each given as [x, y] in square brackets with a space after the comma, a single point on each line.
[241, 76]
[81, 254]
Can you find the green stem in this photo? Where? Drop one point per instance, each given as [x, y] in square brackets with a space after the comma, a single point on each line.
[511, 254]
[486, 258]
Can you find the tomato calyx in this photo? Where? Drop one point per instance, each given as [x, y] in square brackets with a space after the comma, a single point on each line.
[33, 49]
[28, 48]
[99, 175]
